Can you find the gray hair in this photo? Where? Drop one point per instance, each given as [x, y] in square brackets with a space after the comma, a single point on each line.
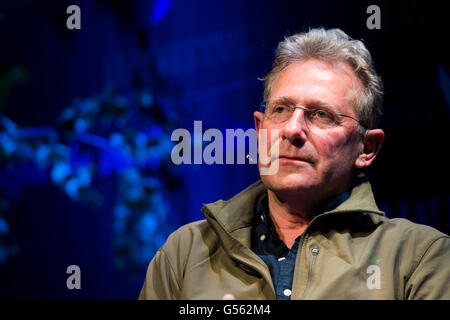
[334, 45]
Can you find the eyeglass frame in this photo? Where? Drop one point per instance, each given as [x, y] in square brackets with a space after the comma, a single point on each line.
[292, 108]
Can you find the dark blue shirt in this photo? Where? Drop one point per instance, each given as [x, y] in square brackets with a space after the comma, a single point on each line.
[278, 257]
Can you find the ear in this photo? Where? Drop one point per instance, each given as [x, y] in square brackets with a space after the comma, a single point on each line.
[258, 116]
[373, 140]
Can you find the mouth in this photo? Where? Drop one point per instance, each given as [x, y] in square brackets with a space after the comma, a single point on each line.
[292, 159]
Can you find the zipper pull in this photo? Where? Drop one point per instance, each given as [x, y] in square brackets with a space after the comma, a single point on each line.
[315, 250]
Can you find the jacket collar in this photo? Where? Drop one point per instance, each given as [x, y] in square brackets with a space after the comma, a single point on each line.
[238, 212]
[361, 198]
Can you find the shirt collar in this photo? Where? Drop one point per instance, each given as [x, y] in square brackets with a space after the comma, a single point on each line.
[262, 207]
[331, 203]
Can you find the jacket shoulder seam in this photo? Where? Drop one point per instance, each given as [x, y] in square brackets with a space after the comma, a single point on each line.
[433, 241]
[171, 267]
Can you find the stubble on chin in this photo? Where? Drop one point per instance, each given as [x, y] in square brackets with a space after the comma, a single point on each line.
[290, 182]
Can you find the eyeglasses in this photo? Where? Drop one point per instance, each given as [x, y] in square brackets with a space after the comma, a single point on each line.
[317, 116]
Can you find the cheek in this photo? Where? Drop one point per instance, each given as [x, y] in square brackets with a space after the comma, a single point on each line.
[268, 138]
[328, 146]
[334, 148]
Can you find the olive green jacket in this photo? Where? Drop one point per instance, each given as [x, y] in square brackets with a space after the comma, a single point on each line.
[361, 254]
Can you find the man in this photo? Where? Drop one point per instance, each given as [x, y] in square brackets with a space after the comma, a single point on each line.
[312, 229]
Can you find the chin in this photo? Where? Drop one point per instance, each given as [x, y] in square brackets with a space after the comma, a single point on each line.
[289, 183]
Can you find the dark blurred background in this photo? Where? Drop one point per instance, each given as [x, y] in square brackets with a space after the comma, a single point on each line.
[87, 115]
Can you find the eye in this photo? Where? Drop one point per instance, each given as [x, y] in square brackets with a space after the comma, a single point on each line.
[280, 109]
[322, 116]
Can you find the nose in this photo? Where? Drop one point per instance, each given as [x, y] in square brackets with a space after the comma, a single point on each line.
[295, 128]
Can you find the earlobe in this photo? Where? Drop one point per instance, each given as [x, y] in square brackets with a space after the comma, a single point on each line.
[373, 140]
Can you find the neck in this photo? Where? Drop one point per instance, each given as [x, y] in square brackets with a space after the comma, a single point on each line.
[292, 214]
[289, 218]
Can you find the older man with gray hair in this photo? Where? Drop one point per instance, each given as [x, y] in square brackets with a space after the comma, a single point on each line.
[311, 229]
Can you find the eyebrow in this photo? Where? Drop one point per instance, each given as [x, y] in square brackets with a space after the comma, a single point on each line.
[314, 102]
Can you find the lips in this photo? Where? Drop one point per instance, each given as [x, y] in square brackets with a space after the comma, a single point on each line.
[294, 158]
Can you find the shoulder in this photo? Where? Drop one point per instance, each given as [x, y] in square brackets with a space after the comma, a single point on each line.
[424, 252]
[406, 229]
[195, 241]
[414, 240]
[187, 235]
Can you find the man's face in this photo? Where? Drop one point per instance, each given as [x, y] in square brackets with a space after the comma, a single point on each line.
[317, 161]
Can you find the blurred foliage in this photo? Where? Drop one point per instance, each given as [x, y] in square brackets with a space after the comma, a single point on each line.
[96, 137]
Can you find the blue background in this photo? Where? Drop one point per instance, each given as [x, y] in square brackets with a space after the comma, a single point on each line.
[196, 60]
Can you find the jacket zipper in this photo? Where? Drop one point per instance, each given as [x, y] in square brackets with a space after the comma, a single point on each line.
[314, 253]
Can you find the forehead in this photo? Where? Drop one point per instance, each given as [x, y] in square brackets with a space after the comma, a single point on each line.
[312, 80]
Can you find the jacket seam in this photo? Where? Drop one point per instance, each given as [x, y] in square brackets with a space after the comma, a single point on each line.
[202, 261]
[171, 268]
[414, 268]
